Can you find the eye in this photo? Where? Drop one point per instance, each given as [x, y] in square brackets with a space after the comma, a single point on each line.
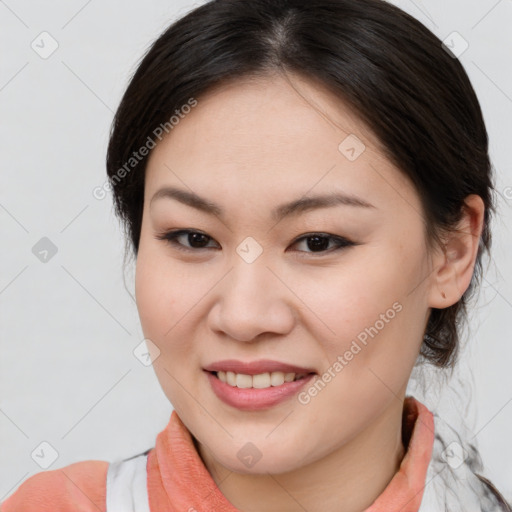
[196, 240]
[319, 242]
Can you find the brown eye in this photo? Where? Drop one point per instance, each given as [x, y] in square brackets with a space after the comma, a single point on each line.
[186, 239]
[319, 242]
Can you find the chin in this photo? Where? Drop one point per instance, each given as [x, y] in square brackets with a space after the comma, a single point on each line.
[262, 467]
[250, 460]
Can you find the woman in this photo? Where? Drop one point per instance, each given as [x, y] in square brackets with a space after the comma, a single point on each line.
[307, 189]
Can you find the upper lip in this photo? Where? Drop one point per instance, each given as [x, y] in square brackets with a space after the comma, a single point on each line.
[256, 367]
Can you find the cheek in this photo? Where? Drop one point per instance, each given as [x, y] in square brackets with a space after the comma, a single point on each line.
[159, 293]
[372, 317]
[168, 295]
[352, 298]
[163, 297]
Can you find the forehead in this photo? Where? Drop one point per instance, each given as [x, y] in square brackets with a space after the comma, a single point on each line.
[269, 135]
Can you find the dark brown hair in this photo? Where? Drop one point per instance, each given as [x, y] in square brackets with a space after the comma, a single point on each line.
[389, 68]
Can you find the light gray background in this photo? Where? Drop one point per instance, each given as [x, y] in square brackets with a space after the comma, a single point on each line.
[68, 376]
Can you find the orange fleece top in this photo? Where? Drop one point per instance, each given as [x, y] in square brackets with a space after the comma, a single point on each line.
[179, 481]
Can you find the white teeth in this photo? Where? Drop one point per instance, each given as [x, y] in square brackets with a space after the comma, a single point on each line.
[231, 378]
[260, 381]
[243, 381]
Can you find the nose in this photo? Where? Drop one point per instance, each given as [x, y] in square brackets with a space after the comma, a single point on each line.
[251, 301]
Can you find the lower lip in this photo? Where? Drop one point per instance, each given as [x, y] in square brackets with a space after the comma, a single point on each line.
[253, 399]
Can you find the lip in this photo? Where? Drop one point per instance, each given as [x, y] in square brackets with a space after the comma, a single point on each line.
[256, 367]
[252, 399]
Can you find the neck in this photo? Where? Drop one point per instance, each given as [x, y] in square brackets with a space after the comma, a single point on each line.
[354, 475]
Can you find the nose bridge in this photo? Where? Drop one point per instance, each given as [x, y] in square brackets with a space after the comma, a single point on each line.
[252, 300]
[250, 270]
[250, 280]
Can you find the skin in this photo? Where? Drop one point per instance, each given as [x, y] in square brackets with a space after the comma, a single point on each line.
[248, 147]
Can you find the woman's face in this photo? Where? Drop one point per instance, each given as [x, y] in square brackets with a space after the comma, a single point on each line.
[349, 305]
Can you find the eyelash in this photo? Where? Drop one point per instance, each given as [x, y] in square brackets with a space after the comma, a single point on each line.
[171, 236]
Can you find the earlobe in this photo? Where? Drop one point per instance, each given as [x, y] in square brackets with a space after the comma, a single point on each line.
[454, 265]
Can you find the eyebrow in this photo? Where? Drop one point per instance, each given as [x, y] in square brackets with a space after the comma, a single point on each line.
[293, 208]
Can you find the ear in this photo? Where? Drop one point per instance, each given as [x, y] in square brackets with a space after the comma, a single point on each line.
[454, 264]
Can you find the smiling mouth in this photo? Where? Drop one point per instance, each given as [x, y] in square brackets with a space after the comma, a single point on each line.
[259, 381]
